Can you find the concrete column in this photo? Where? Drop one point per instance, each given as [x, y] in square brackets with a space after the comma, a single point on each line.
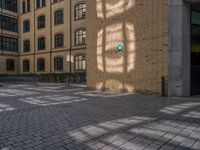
[179, 48]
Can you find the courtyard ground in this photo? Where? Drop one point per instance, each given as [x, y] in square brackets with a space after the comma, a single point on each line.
[56, 117]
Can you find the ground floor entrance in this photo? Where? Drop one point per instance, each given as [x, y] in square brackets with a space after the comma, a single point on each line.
[184, 48]
[195, 49]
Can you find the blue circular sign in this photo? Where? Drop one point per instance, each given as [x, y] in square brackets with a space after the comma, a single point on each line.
[120, 47]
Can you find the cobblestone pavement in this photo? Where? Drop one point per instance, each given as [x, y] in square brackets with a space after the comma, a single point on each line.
[55, 117]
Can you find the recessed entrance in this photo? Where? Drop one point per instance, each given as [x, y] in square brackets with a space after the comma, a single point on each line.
[195, 49]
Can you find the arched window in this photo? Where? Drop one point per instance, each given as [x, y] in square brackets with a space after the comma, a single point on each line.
[26, 66]
[10, 65]
[80, 11]
[41, 64]
[80, 37]
[26, 46]
[59, 40]
[41, 43]
[80, 63]
[26, 26]
[41, 22]
[58, 17]
[58, 63]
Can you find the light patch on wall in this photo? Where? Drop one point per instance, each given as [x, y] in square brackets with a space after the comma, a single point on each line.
[111, 8]
[114, 35]
[107, 57]
[131, 47]
[114, 85]
[100, 50]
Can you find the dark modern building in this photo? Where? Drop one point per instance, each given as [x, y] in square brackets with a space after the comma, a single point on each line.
[8, 36]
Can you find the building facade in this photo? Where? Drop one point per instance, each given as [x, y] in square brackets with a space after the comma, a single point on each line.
[141, 26]
[8, 37]
[143, 46]
[157, 39]
[52, 36]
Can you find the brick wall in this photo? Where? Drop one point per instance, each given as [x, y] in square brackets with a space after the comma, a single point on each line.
[142, 26]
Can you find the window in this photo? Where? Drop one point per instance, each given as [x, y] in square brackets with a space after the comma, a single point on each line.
[58, 63]
[26, 46]
[41, 22]
[56, 1]
[40, 3]
[41, 43]
[26, 66]
[26, 26]
[80, 37]
[58, 17]
[10, 65]
[80, 63]
[59, 40]
[25, 6]
[8, 44]
[8, 23]
[41, 64]
[9, 5]
[80, 11]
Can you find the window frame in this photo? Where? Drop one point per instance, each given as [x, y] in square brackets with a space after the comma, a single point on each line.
[81, 66]
[58, 63]
[80, 12]
[59, 17]
[39, 67]
[80, 37]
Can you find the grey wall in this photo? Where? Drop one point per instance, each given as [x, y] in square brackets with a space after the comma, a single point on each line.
[179, 47]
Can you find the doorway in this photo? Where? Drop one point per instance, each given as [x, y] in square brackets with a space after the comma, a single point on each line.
[195, 50]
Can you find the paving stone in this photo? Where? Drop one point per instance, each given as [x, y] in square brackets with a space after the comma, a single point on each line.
[53, 117]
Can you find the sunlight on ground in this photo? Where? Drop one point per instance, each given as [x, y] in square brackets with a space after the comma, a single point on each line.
[103, 131]
[180, 107]
[52, 100]
[15, 92]
[5, 107]
[101, 94]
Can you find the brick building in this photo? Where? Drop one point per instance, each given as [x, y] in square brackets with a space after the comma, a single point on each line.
[52, 32]
[160, 38]
[8, 37]
[132, 45]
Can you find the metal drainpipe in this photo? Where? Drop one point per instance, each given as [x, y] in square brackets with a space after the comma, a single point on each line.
[18, 36]
[50, 37]
[2, 48]
[70, 51]
[34, 38]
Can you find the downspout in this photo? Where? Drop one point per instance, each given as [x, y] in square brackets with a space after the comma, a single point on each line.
[19, 34]
[50, 37]
[34, 38]
[2, 48]
[70, 50]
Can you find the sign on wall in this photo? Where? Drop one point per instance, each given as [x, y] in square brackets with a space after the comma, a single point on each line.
[120, 47]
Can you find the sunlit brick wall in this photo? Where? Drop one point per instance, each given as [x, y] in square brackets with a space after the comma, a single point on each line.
[142, 26]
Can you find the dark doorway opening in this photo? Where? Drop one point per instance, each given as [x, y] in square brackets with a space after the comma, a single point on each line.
[195, 49]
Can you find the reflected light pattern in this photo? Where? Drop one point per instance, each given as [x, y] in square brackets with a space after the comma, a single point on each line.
[178, 108]
[109, 60]
[5, 107]
[52, 100]
[15, 92]
[90, 132]
[113, 7]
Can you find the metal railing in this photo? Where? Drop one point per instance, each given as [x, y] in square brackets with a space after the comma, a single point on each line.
[76, 78]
